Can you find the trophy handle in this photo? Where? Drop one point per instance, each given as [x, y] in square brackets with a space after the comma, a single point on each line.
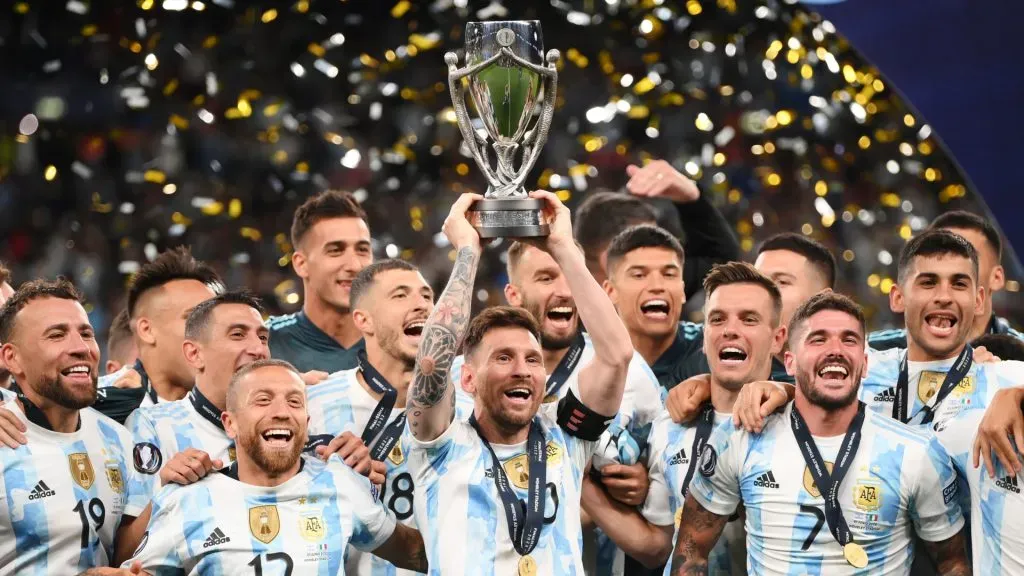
[535, 138]
[465, 123]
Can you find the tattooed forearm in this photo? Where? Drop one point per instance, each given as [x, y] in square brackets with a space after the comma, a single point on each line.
[950, 555]
[443, 333]
[698, 533]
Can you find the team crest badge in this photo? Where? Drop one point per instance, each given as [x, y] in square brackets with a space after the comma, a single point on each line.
[554, 453]
[396, 456]
[965, 387]
[518, 471]
[312, 527]
[264, 523]
[867, 495]
[114, 478]
[809, 484]
[81, 469]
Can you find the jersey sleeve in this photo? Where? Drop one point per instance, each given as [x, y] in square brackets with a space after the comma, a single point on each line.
[145, 455]
[657, 508]
[935, 508]
[716, 483]
[372, 523]
[138, 489]
[958, 438]
[162, 549]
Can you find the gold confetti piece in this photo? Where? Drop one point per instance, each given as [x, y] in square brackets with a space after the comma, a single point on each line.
[213, 208]
[210, 42]
[250, 233]
[21, 8]
[154, 176]
[425, 42]
[302, 6]
[400, 8]
[644, 86]
[269, 16]
[235, 208]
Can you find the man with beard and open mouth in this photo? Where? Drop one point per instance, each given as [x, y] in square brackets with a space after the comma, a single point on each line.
[69, 489]
[273, 510]
[869, 483]
[391, 302]
[514, 447]
[331, 237]
[743, 333]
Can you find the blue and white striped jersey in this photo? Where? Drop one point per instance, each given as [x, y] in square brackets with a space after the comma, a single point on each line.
[62, 496]
[162, 430]
[975, 391]
[901, 482]
[460, 514]
[669, 458]
[220, 526]
[997, 507]
[341, 404]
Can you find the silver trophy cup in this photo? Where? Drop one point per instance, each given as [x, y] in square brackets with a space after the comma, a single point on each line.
[513, 91]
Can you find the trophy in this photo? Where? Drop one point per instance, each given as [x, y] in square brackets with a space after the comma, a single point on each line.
[513, 92]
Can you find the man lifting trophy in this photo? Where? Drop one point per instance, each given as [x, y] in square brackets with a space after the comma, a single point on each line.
[506, 75]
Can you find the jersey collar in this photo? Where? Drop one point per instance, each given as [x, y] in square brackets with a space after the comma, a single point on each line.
[34, 414]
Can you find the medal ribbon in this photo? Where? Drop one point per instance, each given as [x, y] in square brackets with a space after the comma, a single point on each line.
[205, 408]
[705, 422]
[565, 366]
[524, 521]
[379, 417]
[828, 484]
[953, 377]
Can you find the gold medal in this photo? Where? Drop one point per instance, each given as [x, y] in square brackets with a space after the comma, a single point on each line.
[854, 553]
[528, 566]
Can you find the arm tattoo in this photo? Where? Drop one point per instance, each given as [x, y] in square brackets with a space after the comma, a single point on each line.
[443, 334]
[698, 533]
[950, 555]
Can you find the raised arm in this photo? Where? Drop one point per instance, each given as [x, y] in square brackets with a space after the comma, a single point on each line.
[603, 380]
[431, 400]
[698, 533]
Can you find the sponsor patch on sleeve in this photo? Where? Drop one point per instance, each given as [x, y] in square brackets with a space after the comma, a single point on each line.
[949, 492]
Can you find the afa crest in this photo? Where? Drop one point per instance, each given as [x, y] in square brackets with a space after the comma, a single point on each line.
[264, 523]
[867, 495]
[809, 484]
[312, 527]
[81, 469]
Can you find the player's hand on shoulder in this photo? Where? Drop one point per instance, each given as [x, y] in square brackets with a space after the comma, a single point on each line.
[130, 379]
[1003, 419]
[314, 377]
[685, 399]
[351, 449]
[983, 356]
[188, 467]
[756, 401]
[12, 429]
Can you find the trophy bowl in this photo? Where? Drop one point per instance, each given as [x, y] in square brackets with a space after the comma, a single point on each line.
[512, 84]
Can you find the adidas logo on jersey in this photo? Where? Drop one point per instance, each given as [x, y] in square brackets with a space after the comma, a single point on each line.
[1009, 483]
[679, 458]
[41, 491]
[766, 480]
[888, 395]
[216, 537]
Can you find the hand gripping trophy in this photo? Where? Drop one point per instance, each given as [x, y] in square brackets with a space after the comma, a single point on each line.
[507, 79]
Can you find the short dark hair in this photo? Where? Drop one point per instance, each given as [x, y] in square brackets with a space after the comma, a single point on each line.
[29, 292]
[232, 396]
[324, 206]
[642, 236]
[602, 215]
[174, 264]
[199, 318]
[743, 273]
[1005, 346]
[498, 317]
[936, 243]
[823, 301]
[820, 257]
[120, 334]
[363, 281]
[965, 220]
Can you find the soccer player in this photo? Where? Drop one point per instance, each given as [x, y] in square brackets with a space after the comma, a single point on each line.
[222, 335]
[601, 216]
[121, 349]
[743, 331]
[867, 485]
[514, 446]
[272, 510]
[67, 491]
[997, 509]
[160, 296]
[987, 243]
[390, 304]
[332, 244]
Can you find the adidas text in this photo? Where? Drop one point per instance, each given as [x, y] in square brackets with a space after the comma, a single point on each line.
[766, 480]
[41, 491]
[215, 538]
[1008, 483]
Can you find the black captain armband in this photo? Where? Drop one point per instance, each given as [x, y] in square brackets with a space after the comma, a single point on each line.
[579, 421]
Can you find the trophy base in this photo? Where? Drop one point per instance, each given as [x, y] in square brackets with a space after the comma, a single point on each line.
[514, 218]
